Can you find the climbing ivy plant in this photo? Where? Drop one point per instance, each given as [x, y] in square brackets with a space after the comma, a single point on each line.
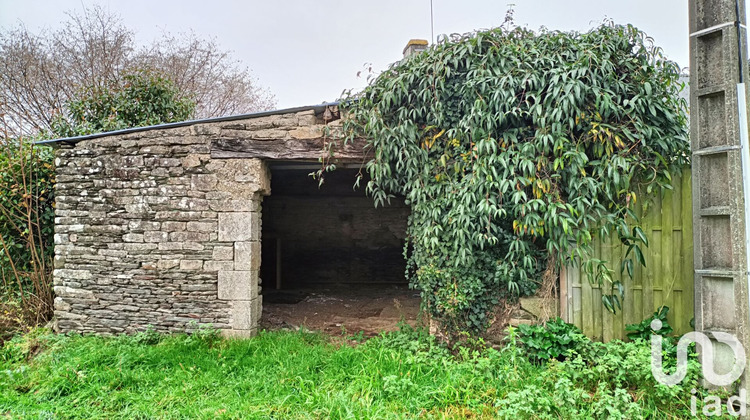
[515, 148]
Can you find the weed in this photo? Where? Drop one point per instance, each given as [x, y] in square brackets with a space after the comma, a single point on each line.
[149, 337]
[554, 340]
[643, 329]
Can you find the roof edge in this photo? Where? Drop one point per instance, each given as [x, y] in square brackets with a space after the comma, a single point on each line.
[76, 139]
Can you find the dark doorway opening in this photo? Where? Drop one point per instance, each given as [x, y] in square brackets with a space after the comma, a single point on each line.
[330, 259]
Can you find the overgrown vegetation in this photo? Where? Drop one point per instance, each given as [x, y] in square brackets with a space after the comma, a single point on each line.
[302, 375]
[513, 148]
[26, 234]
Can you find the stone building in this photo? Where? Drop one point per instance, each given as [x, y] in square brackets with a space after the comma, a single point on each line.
[162, 226]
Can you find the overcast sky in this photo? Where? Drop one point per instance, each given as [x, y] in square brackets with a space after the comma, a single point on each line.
[308, 52]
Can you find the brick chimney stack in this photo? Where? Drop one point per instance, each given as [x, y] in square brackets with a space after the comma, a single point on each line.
[415, 46]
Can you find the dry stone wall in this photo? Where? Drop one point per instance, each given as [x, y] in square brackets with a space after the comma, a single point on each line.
[151, 231]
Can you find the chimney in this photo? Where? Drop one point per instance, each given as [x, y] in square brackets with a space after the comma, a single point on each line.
[414, 46]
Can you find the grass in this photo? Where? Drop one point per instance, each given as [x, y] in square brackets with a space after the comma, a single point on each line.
[305, 375]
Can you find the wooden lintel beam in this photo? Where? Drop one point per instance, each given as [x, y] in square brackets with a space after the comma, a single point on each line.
[292, 149]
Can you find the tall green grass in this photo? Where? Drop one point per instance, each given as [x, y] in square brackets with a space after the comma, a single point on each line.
[303, 375]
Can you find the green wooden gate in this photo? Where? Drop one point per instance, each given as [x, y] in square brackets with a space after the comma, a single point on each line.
[667, 278]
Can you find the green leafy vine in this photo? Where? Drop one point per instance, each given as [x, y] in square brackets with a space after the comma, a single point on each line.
[513, 146]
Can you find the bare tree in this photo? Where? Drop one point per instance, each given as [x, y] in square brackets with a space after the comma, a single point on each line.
[41, 72]
[220, 85]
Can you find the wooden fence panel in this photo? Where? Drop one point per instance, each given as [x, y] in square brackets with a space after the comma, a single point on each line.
[667, 278]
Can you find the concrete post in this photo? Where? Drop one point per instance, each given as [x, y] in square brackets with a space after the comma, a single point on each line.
[718, 66]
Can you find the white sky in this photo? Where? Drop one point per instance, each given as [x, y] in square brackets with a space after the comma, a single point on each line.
[307, 52]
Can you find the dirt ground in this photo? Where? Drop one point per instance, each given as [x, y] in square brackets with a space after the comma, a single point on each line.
[338, 309]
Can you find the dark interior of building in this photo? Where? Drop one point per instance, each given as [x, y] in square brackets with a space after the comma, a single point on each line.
[329, 257]
[331, 234]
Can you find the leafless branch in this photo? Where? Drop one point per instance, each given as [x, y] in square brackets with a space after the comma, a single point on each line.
[40, 72]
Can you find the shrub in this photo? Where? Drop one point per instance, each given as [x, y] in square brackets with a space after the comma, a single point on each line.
[26, 232]
[144, 98]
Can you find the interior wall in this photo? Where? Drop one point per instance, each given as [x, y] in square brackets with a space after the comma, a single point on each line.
[331, 234]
